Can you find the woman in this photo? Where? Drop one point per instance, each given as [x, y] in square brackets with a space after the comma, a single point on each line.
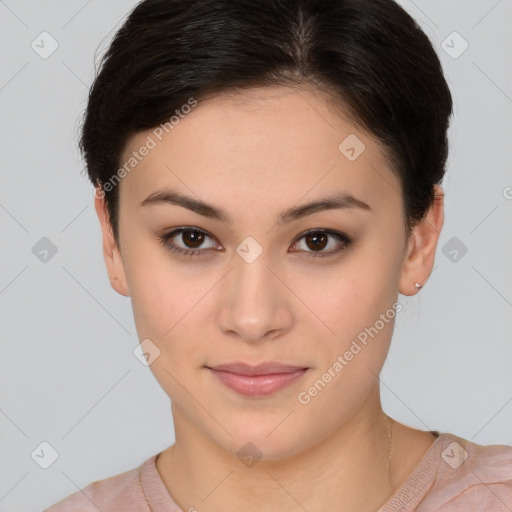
[267, 182]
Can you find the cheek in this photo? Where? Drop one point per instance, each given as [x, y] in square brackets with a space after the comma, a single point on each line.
[153, 283]
[356, 303]
[169, 309]
[163, 308]
[161, 303]
[351, 296]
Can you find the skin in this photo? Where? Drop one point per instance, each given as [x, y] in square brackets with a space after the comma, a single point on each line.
[254, 155]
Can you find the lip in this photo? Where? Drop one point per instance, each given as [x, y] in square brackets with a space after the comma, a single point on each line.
[257, 380]
[264, 368]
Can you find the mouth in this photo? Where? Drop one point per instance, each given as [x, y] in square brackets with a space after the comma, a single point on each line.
[261, 380]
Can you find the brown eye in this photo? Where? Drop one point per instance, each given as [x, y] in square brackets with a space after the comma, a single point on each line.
[192, 239]
[188, 241]
[316, 241]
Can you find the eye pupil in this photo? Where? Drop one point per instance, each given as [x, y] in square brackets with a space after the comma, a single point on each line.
[196, 238]
[316, 237]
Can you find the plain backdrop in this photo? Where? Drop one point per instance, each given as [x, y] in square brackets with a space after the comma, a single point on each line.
[70, 385]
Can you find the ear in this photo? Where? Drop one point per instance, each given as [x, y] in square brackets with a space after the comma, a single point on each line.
[111, 251]
[422, 244]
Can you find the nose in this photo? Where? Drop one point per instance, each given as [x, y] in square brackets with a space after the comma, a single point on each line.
[256, 304]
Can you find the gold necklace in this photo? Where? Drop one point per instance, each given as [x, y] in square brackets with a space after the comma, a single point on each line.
[390, 442]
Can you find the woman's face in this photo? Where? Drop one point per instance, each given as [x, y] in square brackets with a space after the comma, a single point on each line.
[258, 287]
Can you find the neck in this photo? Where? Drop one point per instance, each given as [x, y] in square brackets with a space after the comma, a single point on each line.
[350, 468]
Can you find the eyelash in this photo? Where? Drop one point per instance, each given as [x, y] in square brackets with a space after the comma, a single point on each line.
[341, 237]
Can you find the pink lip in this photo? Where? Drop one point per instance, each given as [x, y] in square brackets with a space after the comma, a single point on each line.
[260, 380]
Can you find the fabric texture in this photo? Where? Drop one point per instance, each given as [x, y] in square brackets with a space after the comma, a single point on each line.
[453, 475]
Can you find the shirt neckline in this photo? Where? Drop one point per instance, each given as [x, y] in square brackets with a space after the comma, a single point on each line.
[416, 485]
[159, 499]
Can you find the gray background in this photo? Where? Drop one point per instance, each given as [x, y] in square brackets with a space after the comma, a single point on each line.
[68, 375]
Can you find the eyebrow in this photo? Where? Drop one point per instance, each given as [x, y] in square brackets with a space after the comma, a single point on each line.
[340, 200]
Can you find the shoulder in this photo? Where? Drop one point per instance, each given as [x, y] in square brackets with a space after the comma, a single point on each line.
[118, 492]
[471, 476]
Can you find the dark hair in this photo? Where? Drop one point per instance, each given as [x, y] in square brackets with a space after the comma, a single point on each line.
[369, 56]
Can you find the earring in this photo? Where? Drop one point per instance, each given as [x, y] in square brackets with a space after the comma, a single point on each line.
[418, 285]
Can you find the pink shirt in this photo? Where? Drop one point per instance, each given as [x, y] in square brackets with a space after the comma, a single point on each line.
[454, 475]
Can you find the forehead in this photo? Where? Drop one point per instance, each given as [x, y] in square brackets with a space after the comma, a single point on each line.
[276, 140]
